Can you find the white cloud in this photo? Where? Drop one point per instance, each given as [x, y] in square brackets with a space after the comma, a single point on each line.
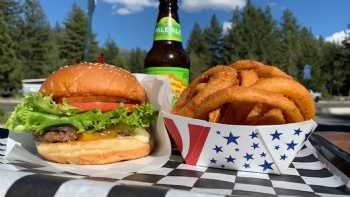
[124, 7]
[194, 5]
[227, 25]
[338, 37]
[123, 11]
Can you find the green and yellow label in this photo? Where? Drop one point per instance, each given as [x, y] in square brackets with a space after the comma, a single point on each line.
[168, 29]
[179, 78]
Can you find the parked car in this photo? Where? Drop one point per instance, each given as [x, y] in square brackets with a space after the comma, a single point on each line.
[7, 92]
[316, 95]
[31, 85]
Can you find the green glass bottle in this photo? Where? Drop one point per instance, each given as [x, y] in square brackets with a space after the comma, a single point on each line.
[167, 56]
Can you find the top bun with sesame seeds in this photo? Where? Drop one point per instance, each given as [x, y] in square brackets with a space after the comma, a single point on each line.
[93, 80]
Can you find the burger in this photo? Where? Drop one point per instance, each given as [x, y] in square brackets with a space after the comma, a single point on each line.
[87, 113]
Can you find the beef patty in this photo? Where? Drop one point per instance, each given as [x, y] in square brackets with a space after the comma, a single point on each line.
[58, 134]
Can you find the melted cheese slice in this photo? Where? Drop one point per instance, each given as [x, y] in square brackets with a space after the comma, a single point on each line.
[97, 136]
[139, 133]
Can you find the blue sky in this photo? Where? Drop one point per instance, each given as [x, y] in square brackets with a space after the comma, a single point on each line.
[131, 22]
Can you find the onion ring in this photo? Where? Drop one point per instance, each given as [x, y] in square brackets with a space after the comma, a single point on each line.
[235, 113]
[273, 116]
[261, 69]
[241, 94]
[292, 90]
[246, 92]
[248, 78]
[213, 80]
[255, 114]
[214, 116]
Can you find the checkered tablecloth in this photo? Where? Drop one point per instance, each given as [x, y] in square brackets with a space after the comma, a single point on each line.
[307, 177]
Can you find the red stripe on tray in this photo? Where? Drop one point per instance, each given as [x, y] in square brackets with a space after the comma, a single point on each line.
[174, 132]
[198, 136]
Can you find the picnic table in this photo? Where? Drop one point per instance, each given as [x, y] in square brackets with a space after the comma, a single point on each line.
[313, 172]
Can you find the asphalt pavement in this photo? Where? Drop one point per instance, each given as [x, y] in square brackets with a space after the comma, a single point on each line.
[329, 122]
[333, 116]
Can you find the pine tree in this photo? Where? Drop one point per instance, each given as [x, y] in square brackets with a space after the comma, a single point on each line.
[256, 35]
[232, 40]
[136, 60]
[95, 50]
[346, 63]
[73, 41]
[270, 43]
[320, 66]
[35, 40]
[250, 31]
[112, 54]
[55, 41]
[330, 52]
[7, 55]
[195, 41]
[214, 42]
[312, 54]
[196, 49]
[291, 47]
[338, 74]
[10, 66]
[253, 36]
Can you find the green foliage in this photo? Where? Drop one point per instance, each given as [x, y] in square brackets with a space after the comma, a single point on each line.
[35, 40]
[205, 48]
[73, 40]
[36, 113]
[2, 116]
[112, 54]
[254, 34]
[135, 60]
[31, 48]
[55, 41]
[10, 65]
[213, 41]
[346, 62]
[196, 50]
[291, 45]
[233, 39]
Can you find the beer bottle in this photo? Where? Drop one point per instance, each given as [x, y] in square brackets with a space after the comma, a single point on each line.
[167, 56]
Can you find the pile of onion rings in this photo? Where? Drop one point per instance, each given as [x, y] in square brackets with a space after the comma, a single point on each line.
[246, 93]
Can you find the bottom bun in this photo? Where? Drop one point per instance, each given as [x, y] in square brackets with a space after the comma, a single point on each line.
[102, 151]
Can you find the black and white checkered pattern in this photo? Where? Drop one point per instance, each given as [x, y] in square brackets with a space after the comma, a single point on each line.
[3, 141]
[308, 177]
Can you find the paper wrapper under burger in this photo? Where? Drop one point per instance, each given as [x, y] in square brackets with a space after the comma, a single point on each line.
[20, 146]
[265, 149]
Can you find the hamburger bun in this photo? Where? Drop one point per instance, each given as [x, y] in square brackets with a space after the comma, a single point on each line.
[101, 151]
[93, 79]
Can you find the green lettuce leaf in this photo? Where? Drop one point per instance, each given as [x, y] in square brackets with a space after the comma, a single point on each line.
[37, 113]
[38, 103]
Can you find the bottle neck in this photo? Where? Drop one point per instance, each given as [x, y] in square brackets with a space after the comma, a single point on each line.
[168, 27]
[168, 8]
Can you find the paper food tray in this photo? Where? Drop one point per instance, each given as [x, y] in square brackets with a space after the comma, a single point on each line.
[265, 149]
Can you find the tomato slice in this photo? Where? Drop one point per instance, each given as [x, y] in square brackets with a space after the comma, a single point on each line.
[103, 106]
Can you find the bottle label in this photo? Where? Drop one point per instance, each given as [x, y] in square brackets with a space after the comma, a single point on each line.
[179, 78]
[168, 29]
